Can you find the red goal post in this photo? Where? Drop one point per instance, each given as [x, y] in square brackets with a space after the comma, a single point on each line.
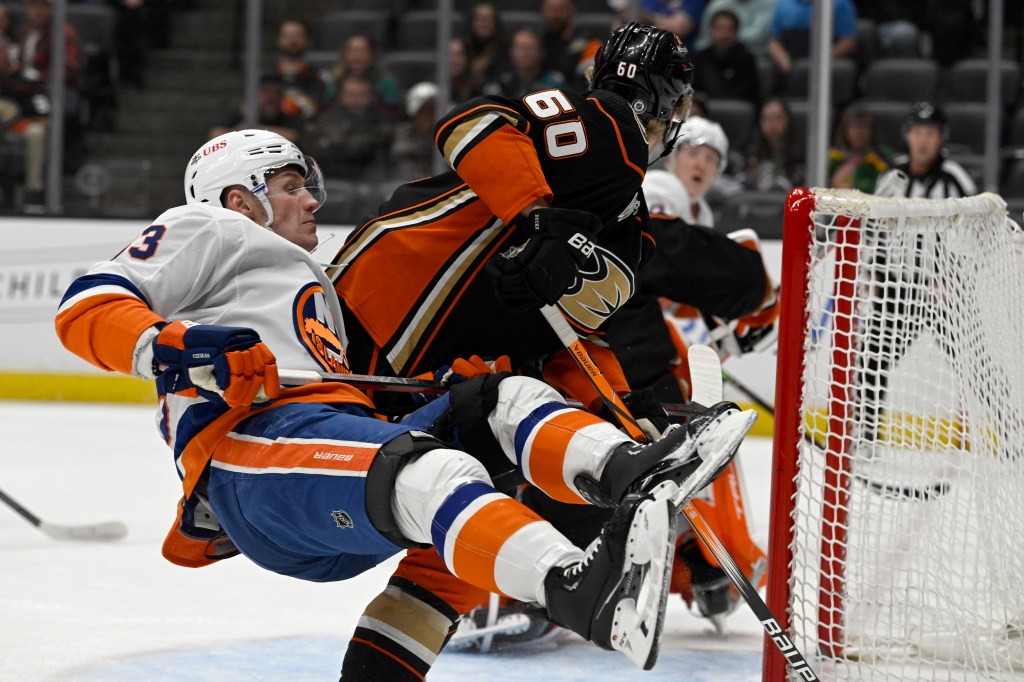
[896, 547]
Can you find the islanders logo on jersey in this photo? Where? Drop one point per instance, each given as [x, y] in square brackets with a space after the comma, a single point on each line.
[604, 284]
[316, 330]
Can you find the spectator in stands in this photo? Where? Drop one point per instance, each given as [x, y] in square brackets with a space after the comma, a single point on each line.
[562, 41]
[682, 17]
[304, 90]
[485, 42]
[413, 150]
[755, 20]
[30, 76]
[465, 85]
[931, 174]
[525, 72]
[857, 158]
[353, 135]
[359, 58]
[775, 160]
[274, 114]
[23, 122]
[897, 25]
[726, 69]
[790, 33]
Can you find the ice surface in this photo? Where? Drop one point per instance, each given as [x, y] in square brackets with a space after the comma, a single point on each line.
[113, 612]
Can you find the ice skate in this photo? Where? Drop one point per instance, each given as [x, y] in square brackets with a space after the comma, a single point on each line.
[691, 456]
[502, 625]
[615, 595]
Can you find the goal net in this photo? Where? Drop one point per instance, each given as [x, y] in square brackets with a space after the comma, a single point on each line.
[897, 520]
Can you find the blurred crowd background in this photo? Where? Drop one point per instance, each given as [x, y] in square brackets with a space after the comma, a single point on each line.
[146, 82]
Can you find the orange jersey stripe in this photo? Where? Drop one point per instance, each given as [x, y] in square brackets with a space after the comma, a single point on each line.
[331, 457]
[546, 457]
[475, 113]
[521, 181]
[481, 538]
[103, 329]
[199, 450]
[451, 306]
[618, 136]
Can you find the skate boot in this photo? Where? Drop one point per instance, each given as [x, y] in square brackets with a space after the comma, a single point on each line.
[615, 595]
[691, 456]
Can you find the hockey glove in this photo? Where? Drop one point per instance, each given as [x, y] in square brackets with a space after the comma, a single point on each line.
[222, 363]
[758, 331]
[538, 272]
[463, 369]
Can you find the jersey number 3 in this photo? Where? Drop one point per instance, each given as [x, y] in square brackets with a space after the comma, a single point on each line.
[145, 244]
[562, 139]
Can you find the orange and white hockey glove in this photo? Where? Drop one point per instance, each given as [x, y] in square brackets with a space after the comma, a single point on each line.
[463, 369]
[228, 364]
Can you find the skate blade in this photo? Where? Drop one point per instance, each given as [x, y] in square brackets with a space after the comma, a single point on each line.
[722, 441]
[650, 549]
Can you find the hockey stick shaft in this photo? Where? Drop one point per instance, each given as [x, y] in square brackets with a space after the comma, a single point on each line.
[110, 530]
[369, 382]
[579, 353]
[24, 513]
[700, 525]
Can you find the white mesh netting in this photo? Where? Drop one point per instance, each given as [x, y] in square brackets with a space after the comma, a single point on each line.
[908, 554]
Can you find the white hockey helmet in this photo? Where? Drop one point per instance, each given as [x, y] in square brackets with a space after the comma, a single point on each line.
[247, 158]
[697, 131]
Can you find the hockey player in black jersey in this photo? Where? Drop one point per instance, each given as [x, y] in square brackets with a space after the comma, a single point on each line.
[544, 207]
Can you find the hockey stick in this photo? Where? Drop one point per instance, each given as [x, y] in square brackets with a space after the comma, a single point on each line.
[702, 374]
[925, 493]
[301, 377]
[110, 530]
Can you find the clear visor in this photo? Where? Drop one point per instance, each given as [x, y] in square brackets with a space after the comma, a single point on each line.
[312, 182]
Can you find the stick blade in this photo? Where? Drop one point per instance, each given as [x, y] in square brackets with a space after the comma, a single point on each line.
[705, 375]
[108, 531]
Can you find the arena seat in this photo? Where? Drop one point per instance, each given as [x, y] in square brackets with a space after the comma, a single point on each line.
[901, 80]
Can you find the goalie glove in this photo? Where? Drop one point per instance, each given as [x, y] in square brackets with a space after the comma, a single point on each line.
[538, 272]
[228, 364]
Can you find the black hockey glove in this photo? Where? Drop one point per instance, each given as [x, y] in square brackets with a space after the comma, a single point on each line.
[537, 273]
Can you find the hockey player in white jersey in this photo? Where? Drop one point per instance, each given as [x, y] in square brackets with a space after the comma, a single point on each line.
[698, 159]
[305, 481]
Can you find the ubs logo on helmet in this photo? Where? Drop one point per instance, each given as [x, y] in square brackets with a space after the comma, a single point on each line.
[316, 330]
[215, 147]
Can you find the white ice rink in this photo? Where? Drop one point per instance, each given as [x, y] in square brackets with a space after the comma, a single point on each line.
[118, 612]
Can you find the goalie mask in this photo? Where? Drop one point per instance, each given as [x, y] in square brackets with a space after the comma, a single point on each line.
[247, 158]
[652, 70]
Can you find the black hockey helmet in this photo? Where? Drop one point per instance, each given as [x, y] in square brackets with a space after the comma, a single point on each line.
[647, 66]
[926, 113]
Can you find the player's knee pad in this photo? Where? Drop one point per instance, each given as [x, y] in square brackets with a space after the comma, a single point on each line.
[471, 404]
[380, 481]
[425, 483]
